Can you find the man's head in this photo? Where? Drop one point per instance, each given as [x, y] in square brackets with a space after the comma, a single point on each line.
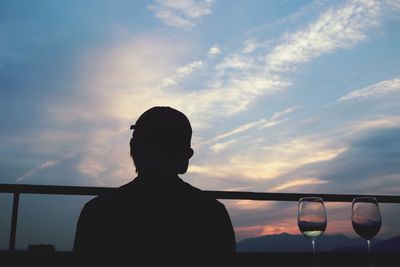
[161, 141]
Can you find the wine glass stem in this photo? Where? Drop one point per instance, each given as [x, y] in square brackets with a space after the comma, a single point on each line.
[369, 246]
[313, 245]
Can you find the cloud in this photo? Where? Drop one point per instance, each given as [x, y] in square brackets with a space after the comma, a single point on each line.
[395, 4]
[131, 77]
[358, 127]
[375, 90]
[181, 13]
[241, 78]
[250, 45]
[235, 62]
[91, 165]
[214, 50]
[246, 204]
[279, 114]
[376, 153]
[188, 69]
[283, 226]
[341, 27]
[302, 12]
[105, 158]
[262, 163]
[44, 165]
[298, 183]
[244, 77]
[183, 72]
[218, 147]
[270, 218]
[370, 164]
[235, 96]
[120, 81]
[262, 123]
[239, 129]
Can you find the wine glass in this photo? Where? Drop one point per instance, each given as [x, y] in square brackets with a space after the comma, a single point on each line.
[311, 218]
[366, 218]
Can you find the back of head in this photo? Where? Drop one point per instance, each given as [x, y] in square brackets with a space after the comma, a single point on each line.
[161, 141]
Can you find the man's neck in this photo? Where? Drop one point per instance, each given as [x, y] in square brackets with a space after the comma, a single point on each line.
[158, 177]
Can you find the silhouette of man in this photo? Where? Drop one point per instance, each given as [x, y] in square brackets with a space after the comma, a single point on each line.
[156, 212]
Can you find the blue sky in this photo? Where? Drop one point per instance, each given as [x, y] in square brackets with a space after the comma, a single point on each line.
[283, 96]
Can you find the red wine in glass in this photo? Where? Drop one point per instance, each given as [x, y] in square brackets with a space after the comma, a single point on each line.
[366, 218]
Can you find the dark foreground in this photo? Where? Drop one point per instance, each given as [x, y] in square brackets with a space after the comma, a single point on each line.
[381, 259]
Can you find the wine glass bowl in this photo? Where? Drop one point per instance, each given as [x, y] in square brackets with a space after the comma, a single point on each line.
[366, 218]
[311, 218]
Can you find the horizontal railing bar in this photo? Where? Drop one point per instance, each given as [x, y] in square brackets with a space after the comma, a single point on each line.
[89, 190]
[54, 189]
[297, 196]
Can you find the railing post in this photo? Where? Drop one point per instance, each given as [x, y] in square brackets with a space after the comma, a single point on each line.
[14, 218]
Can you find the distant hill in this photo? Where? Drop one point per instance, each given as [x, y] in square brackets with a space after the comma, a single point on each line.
[392, 244]
[299, 243]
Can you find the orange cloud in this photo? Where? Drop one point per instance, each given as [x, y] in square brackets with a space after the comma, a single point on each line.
[297, 183]
[284, 226]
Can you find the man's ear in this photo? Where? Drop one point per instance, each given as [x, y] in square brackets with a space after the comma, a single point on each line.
[190, 153]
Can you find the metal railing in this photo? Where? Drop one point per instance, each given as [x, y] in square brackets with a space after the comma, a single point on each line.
[18, 189]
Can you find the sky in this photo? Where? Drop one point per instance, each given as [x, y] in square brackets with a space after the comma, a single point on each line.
[283, 96]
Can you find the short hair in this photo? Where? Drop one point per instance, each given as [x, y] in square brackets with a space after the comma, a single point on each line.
[161, 134]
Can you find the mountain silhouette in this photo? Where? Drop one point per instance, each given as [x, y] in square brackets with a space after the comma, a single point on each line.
[285, 242]
[392, 244]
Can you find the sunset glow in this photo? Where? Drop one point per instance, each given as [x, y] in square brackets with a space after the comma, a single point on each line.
[283, 96]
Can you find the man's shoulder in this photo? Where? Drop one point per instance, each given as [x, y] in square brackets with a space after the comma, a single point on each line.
[111, 198]
[203, 196]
